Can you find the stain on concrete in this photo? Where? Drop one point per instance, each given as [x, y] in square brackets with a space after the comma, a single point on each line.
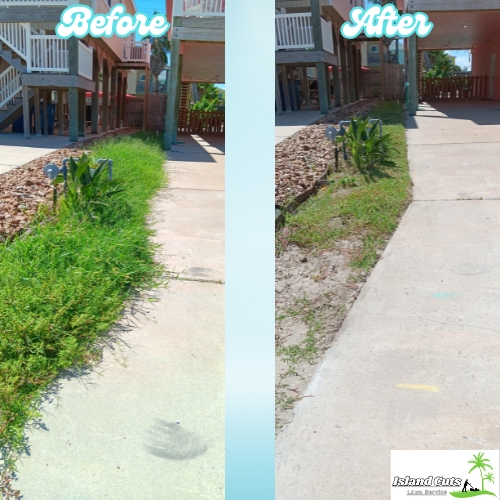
[170, 440]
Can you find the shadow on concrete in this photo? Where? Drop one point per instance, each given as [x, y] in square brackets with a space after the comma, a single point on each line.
[215, 141]
[480, 112]
[196, 148]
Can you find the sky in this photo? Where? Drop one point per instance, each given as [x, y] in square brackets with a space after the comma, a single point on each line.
[149, 7]
[462, 57]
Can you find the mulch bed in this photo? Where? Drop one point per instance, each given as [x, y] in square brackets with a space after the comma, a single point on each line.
[302, 158]
[23, 190]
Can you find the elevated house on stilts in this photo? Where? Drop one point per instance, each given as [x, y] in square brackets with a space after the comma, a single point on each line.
[37, 67]
[315, 65]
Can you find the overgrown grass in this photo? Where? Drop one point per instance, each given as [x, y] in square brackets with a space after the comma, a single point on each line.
[356, 208]
[65, 284]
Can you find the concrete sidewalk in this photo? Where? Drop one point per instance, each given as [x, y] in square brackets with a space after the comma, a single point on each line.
[415, 365]
[15, 150]
[153, 429]
[288, 124]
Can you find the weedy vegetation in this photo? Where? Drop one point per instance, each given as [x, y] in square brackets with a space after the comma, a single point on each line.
[64, 285]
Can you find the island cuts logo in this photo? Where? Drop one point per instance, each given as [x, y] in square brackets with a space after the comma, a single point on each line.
[377, 22]
[460, 474]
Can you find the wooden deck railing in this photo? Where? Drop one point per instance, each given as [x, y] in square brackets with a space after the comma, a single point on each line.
[201, 122]
[453, 87]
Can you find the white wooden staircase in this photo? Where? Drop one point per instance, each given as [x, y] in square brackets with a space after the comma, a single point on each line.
[26, 51]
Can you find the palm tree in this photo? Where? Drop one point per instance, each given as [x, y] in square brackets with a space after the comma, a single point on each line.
[480, 463]
[489, 477]
[160, 47]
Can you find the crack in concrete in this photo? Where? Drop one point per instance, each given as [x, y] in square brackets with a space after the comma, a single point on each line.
[201, 280]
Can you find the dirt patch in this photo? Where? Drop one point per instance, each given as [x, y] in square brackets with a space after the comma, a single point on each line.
[314, 292]
[314, 289]
[302, 158]
[24, 190]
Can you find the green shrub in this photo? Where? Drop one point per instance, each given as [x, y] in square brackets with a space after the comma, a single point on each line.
[367, 148]
[87, 185]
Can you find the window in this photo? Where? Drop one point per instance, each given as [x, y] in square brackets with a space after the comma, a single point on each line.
[142, 78]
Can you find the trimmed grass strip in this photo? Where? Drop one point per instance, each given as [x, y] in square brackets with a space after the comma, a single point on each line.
[356, 207]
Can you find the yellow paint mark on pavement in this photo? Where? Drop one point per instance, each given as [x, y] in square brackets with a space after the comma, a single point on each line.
[430, 388]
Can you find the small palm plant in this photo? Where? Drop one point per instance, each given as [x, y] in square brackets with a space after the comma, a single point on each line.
[489, 477]
[479, 462]
[87, 184]
[367, 148]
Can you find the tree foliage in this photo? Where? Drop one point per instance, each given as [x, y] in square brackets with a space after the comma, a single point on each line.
[442, 65]
[209, 100]
[160, 47]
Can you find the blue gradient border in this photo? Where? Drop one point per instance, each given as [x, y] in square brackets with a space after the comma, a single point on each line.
[250, 250]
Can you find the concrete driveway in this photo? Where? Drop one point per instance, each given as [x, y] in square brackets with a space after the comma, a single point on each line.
[15, 150]
[288, 124]
[416, 363]
[152, 427]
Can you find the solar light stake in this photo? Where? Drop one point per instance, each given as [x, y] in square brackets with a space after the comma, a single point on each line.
[52, 171]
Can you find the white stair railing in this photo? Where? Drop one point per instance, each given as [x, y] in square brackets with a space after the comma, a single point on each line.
[294, 31]
[48, 53]
[84, 60]
[327, 36]
[14, 35]
[10, 86]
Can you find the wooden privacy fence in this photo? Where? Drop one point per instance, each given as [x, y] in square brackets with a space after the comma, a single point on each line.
[453, 87]
[201, 122]
[372, 83]
[133, 113]
[155, 113]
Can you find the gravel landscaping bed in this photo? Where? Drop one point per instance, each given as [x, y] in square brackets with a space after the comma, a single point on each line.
[25, 189]
[301, 159]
